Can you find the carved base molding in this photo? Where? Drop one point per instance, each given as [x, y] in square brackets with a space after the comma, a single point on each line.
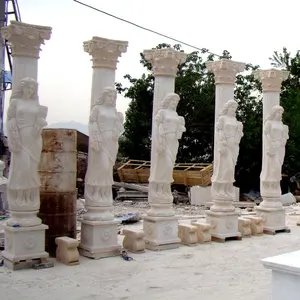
[24, 244]
[161, 233]
[273, 219]
[224, 225]
[99, 239]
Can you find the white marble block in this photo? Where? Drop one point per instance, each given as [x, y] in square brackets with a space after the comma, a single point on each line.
[24, 243]
[134, 240]
[203, 231]
[200, 195]
[285, 275]
[257, 224]
[161, 233]
[99, 239]
[188, 234]
[244, 226]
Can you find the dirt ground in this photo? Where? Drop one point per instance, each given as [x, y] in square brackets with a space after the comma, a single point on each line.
[228, 271]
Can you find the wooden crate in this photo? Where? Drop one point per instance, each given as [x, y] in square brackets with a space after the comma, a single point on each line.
[188, 174]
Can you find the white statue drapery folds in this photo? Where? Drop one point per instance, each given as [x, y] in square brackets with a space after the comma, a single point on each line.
[168, 130]
[26, 119]
[276, 135]
[105, 128]
[229, 132]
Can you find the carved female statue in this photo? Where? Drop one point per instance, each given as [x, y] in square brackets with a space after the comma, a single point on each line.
[229, 132]
[168, 130]
[105, 128]
[25, 120]
[276, 135]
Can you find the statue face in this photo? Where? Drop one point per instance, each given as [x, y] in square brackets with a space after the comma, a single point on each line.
[232, 110]
[278, 115]
[173, 103]
[110, 98]
[28, 91]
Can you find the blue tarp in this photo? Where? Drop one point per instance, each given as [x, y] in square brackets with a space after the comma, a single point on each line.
[7, 77]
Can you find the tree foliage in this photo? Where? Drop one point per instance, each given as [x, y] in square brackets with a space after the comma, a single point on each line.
[196, 88]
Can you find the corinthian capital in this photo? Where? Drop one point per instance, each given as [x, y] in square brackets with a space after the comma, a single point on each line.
[271, 79]
[104, 52]
[164, 61]
[25, 39]
[225, 70]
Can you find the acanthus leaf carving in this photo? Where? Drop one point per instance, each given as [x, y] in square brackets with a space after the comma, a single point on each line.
[165, 61]
[225, 70]
[26, 39]
[105, 52]
[271, 79]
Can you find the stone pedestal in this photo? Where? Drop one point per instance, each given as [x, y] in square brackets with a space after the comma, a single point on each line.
[99, 239]
[285, 275]
[161, 233]
[99, 230]
[24, 246]
[273, 219]
[224, 225]
[160, 226]
[25, 41]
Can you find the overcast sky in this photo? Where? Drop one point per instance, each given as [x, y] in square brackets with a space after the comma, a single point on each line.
[250, 30]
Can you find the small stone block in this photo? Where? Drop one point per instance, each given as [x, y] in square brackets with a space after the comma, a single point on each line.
[257, 225]
[66, 251]
[244, 226]
[203, 231]
[188, 234]
[134, 240]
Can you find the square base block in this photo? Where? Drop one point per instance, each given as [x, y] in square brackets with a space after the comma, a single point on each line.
[161, 233]
[224, 225]
[274, 219]
[285, 275]
[24, 246]
[99, 239]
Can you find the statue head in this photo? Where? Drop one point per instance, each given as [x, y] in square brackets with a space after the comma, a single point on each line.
[27, 90]
[229, 108]
[170, 101]
[108, 97]
[275, 113]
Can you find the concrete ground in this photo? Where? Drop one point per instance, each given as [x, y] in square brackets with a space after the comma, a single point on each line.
[229, 271]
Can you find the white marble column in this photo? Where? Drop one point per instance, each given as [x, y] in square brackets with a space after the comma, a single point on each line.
[105, 54]
[160, 225]
[222, 215]
[25, 41]
[99, 229]
[271, 209]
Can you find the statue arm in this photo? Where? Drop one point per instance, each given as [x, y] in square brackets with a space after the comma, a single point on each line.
[220, 130]
[94, 130]
[240, 133]
[181, 128]
[161, 133]
[13, 133]
[270, 146]
[285, 134]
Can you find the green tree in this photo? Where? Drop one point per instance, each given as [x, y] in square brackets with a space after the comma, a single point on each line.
[196, 88]
[249, 98]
